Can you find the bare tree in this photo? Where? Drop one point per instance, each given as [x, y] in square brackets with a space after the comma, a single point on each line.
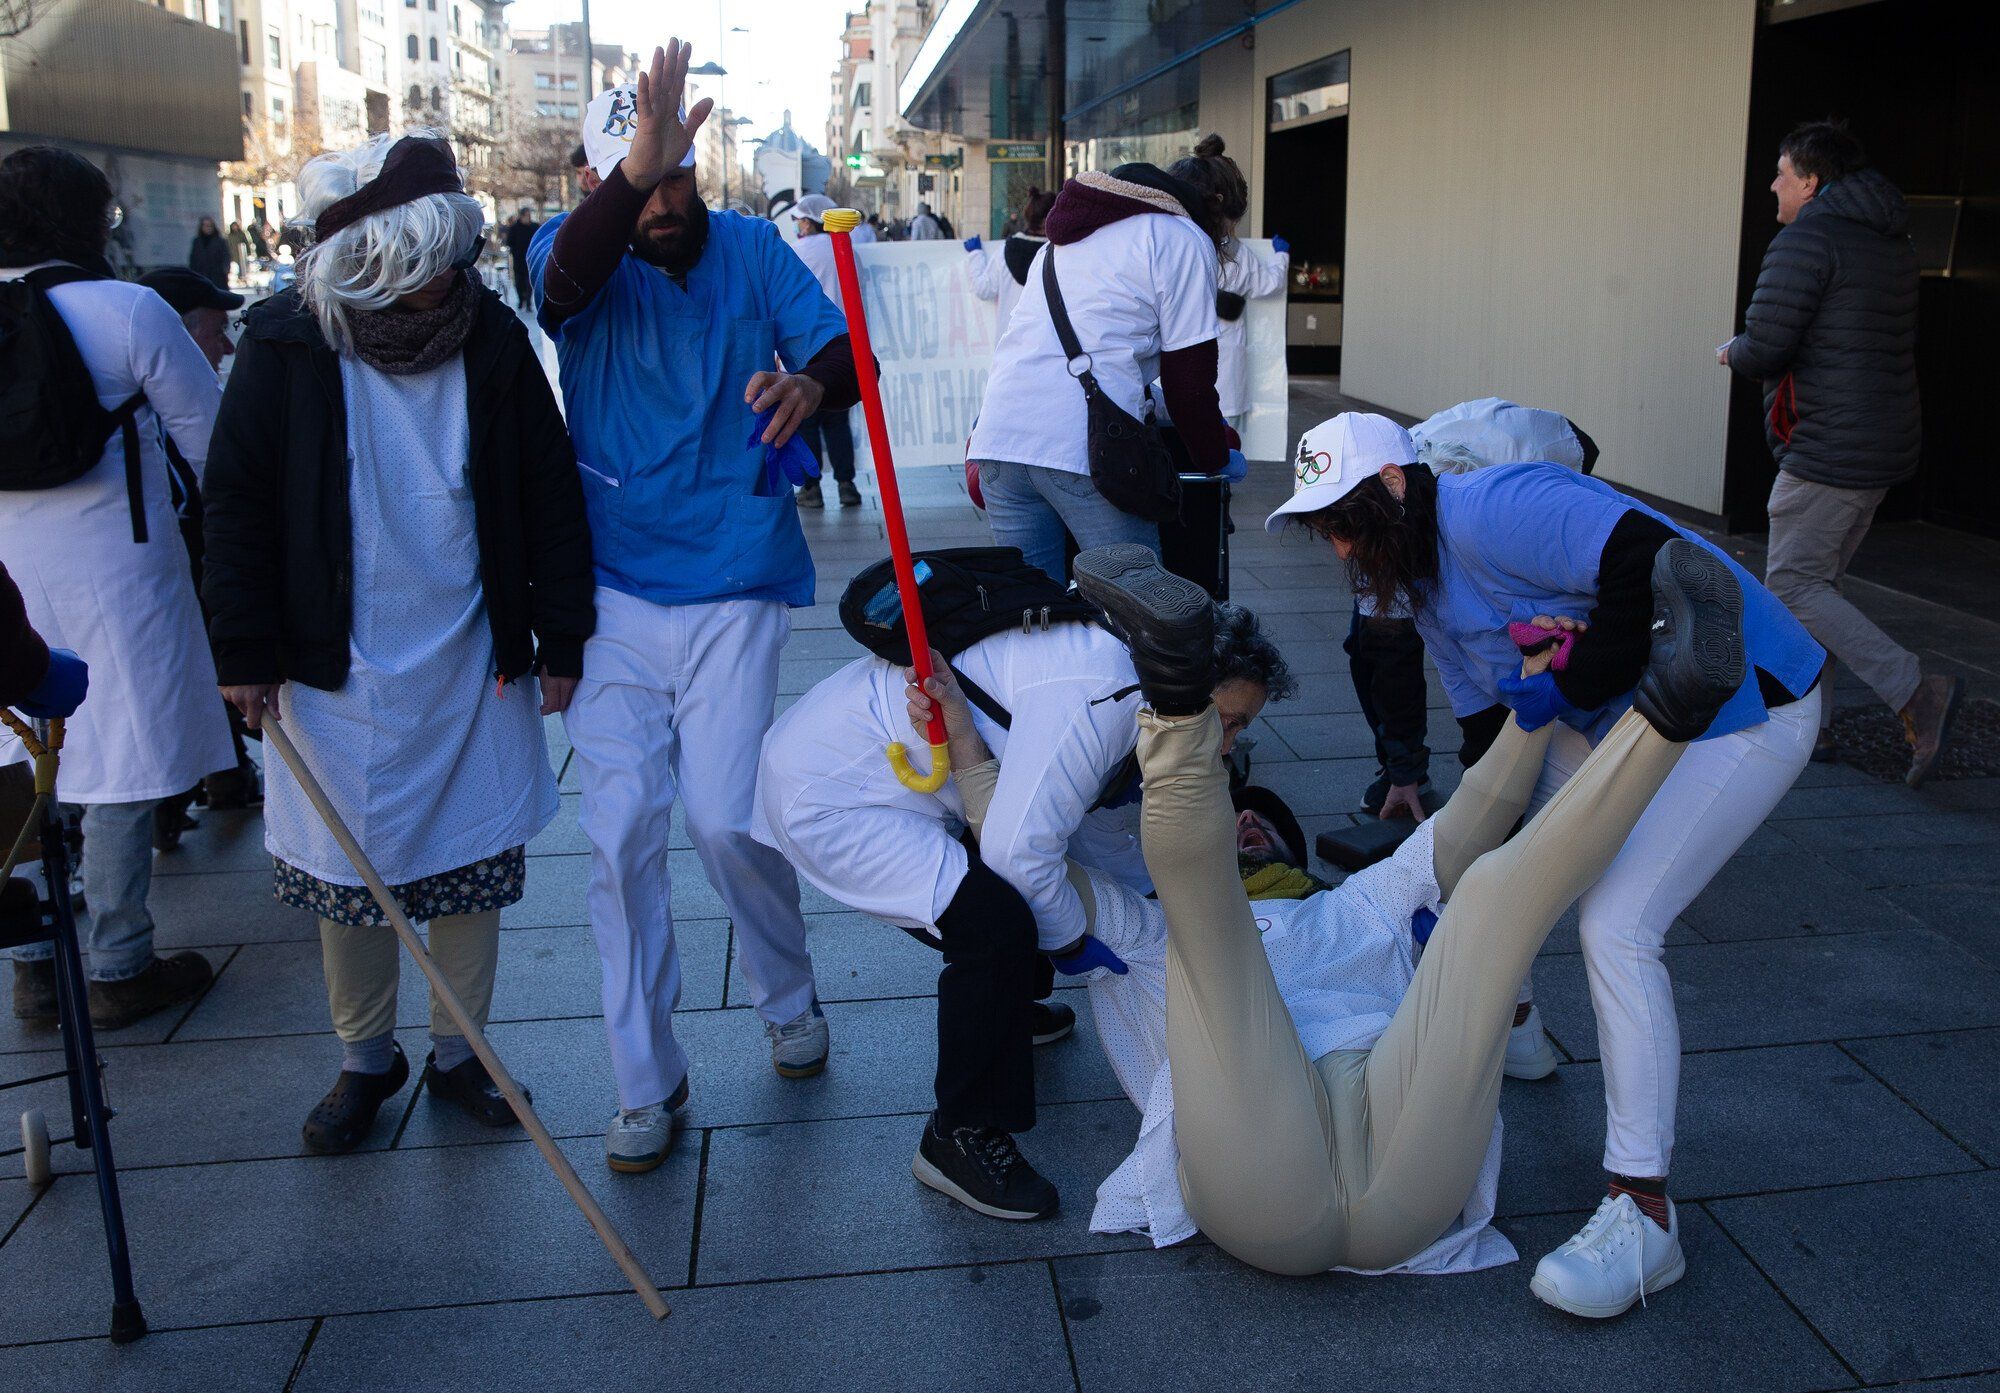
[533, 163]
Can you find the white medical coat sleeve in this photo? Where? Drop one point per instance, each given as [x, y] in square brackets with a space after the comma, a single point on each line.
[983, 267]
[175, 376]
[1060, 750]
[1253, 275]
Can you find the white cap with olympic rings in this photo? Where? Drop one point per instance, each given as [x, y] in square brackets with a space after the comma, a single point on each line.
[1336, 456]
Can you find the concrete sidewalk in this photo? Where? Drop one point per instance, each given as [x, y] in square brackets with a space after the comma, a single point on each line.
[1839, 992]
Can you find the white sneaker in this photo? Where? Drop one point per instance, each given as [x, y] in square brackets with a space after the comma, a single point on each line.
[1619, 1257]
[640, 1138]
[799, 1047]
[1529, 1053]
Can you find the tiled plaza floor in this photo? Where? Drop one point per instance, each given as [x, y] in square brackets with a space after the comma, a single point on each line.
[1839, 992]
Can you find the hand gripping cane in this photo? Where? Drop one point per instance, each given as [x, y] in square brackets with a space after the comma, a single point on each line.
[276, 739]
[839, 223]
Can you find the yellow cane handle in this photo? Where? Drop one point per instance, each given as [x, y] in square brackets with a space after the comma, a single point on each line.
[908, 777]
[840, 220]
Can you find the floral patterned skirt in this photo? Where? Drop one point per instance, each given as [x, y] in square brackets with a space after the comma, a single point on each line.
[493, 883]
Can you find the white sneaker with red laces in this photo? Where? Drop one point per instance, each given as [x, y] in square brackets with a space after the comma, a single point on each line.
[1618, 1258]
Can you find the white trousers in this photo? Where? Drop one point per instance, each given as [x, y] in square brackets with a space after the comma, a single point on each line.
[676, 699]
[1719, 793]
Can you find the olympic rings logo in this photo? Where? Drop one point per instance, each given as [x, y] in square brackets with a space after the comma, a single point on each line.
[1313, 466]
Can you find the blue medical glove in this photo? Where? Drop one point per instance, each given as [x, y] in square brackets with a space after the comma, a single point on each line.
[1088, 958]
[1535, 701]
[1421, 925]
[792, 463]
[1238, 468]
[61, 691]
[973, 244]
[1280, 245]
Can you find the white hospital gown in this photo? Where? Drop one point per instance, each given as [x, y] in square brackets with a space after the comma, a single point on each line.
[1343, 960]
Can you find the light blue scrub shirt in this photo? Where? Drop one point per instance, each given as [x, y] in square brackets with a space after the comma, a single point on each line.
[1518, 540]
[652, 379]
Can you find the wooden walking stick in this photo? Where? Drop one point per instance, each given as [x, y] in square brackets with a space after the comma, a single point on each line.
[275, 737]
[840, 223]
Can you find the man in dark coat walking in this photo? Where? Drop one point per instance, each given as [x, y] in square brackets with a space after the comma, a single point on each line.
[520, 233]
[1832, 334]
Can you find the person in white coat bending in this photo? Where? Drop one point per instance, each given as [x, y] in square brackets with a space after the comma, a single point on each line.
[829, 802]
[103, 572]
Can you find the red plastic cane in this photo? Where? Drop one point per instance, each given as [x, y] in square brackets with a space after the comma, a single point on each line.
[839, 222]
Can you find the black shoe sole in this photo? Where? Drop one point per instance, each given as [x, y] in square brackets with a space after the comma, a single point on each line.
[1167, 621]
[930, 1175]
[1061, 1032]
[1697, 661]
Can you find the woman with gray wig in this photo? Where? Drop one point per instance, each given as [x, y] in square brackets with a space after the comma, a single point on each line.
[396, 538]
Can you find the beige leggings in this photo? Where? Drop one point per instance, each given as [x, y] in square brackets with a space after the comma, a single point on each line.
[363, 967]
[1365, 1157]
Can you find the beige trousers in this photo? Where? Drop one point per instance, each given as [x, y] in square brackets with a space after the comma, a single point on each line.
[1365, 1157]
[363, 967]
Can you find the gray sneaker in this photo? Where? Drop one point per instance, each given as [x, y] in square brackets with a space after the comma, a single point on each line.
[640, 1138]
[799, 1047]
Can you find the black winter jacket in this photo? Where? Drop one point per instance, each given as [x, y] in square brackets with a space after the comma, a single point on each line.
[279, 566]
[1832, 333]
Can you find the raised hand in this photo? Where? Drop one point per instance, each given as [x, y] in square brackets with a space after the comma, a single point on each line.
[661, 138]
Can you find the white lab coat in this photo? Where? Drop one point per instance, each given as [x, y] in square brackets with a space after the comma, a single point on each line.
[991, 280]
[828, 801]
[1253, 276]
[816, 250]
[153, 723]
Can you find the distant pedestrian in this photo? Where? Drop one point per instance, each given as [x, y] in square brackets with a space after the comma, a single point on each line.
[395, 533]
[925, 227]
[260, 240]
[239, 250]
[104, 574]
[829, 433]
[1832, 333]
[208, 254]
[869, 230]
[520, 234]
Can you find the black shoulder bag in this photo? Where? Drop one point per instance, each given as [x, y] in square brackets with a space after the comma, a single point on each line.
[1129, 462]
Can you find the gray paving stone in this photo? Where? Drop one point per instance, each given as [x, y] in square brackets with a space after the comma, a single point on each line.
[1924, 865]
[1848, 800]
[1954, 1079]
[1898, 1276]
[236, 1359]
[19, 1035]
[883, 1059]
[1784, 895]
[1195, 1318]
[1749, 1120]
[266, 1240]
[1874, 831]
[223, 907]
[1968, 915]
[1338, 737]
[209, 1100]
[857, 957]
[1791, 991]
[820, 1198]
[974, 1328]
[280, 988]
[227, 841]
[15, 1195]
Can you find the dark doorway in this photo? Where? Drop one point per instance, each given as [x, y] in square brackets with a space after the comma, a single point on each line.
[1922, 95]
[1305, 202]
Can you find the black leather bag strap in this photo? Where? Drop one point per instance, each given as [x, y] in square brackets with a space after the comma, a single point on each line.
[126, 415]
[1072, 347]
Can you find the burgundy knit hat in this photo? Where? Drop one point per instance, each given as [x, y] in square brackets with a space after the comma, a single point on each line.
[415, 167]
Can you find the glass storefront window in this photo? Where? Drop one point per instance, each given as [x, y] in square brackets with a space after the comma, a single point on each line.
[1312, 92]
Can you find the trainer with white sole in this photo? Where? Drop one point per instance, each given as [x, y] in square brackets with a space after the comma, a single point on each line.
[1475, 555]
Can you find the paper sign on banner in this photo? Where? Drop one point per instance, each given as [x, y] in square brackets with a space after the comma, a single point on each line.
[934, 339]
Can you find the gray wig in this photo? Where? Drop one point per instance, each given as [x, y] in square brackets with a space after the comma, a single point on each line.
[383, 257]
[1242, 651]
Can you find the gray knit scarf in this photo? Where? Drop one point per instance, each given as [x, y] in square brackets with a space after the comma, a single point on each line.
[403, 341]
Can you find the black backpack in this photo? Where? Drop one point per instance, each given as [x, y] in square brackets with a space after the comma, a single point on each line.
[971, 593]
[52, 429]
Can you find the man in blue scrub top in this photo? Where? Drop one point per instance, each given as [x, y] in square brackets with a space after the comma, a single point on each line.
[675, 328]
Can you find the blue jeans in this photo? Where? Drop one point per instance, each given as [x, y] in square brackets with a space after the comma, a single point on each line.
[1030, 506]
[117, 874]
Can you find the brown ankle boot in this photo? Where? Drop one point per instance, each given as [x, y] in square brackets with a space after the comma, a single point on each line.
[35, 990]
[165, 982]
[1927, 722]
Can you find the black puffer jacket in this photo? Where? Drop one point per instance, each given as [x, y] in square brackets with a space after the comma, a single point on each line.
[278, 575]
[1832, 333]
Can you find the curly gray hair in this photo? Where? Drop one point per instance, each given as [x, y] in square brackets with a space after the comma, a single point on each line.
[1243, 652]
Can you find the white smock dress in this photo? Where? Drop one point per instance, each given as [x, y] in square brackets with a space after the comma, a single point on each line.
[153, 724]
[829, 803]
[1343, 959]
[433, 769]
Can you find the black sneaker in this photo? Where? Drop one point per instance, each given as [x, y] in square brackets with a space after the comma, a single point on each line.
[35, 990]
[233, 788]
[983, 1170]
[471, 1089]
[1053, 1021]
[171, 820]
[340, 1121]
[809, 496]
[1166, 622]
[1697, 661]
[850, 496]
[165, 982]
